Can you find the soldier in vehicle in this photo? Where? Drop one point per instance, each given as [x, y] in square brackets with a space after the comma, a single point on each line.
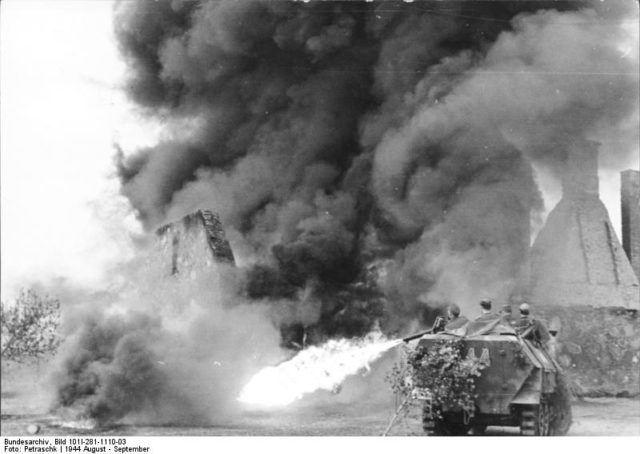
[530, 328]
[439, 324]
[486, 322]
[525, 320]
[487, 315]
[455, 319]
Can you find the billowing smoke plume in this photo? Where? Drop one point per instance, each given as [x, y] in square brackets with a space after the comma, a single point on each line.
[370, 161]
[330, 134]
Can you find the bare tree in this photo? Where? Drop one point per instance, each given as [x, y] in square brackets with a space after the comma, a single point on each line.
[29, 326]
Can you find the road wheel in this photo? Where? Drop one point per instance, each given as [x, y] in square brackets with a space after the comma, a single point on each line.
[529, 421]
[429, 421]
[429, 426]
[544, 419]
[441, 426]
[456, 429]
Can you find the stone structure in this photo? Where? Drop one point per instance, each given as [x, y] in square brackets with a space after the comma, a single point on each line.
[194, 243]
[581, 282]
[598, 348]
[577, 260]
[630, 204]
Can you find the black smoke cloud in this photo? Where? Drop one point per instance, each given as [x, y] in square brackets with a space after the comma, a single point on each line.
[332, 135]
[370, 162]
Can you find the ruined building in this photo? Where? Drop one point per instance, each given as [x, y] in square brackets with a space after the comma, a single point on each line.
[195, 242]
[577, 260]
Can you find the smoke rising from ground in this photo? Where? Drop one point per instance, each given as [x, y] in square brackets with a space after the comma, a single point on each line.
[370, 161]
[153, 353]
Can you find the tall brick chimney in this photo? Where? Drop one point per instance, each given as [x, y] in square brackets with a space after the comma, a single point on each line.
[630, 201]
[581, 171]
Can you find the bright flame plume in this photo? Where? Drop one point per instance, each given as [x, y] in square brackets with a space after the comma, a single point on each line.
[318, 367]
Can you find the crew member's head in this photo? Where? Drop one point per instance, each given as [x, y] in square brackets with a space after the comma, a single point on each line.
[524, 310]
[485, 304]
[454, 311]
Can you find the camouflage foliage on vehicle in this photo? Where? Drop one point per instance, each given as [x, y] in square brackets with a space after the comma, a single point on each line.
[443, 370]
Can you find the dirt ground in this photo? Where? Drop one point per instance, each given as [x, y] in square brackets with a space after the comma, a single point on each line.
[24, 403]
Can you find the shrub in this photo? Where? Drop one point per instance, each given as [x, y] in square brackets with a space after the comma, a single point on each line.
[29, 326]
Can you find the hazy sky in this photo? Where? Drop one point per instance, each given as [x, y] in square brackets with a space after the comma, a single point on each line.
[62, 109]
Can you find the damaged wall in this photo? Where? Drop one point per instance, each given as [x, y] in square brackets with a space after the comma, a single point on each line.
[201, 229]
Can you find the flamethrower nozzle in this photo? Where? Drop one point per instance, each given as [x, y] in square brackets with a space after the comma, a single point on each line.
[437, 327]
[416, 336]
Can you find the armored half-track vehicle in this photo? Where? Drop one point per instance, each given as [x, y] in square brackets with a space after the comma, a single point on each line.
[520, 385]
